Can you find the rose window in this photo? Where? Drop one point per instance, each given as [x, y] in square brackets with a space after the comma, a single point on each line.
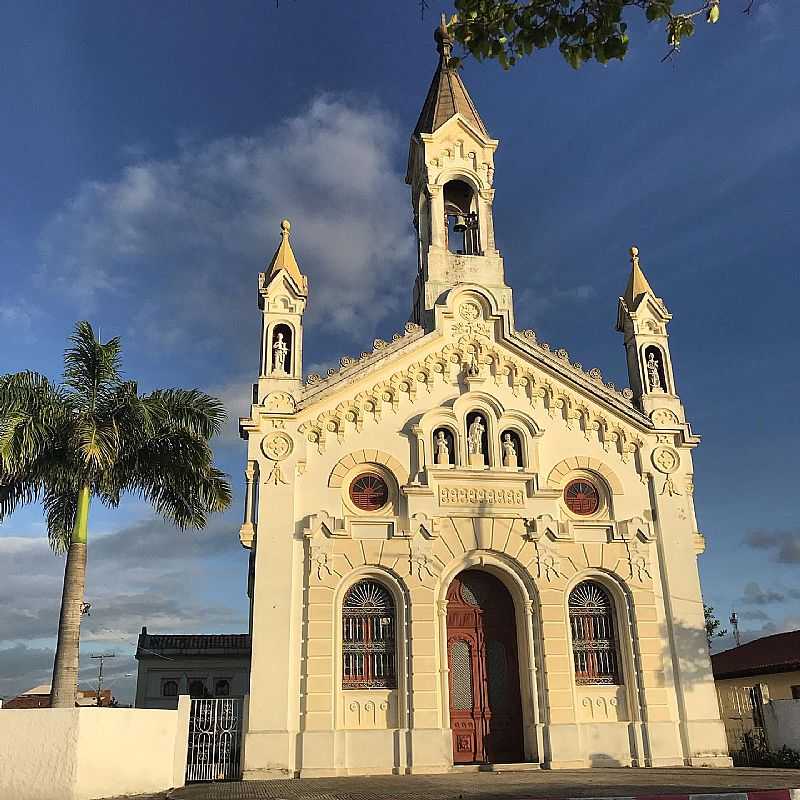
[369, 492]
[582, 497]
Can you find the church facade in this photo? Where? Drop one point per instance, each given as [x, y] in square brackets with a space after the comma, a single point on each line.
[465, 548]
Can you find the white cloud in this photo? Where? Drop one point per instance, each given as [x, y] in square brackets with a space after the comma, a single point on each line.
[191, 233]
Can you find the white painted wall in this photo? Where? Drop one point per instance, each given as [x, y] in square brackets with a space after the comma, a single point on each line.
[782, 721]
[88, 753]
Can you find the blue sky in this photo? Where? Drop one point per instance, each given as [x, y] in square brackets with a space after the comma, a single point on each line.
[149, 150]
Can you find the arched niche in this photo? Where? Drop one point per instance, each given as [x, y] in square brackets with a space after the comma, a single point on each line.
[512, 449]
[444, 446]
[478, 431]
[461, 218]
[280, 351]
[654, 369]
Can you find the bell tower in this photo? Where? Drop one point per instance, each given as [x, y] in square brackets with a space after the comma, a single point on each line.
[283, 292]
[643, 318]
[451, 174]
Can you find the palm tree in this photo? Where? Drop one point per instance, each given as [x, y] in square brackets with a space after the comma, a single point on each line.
[96, 436]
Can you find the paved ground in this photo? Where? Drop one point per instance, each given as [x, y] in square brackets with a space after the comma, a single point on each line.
[505, 786]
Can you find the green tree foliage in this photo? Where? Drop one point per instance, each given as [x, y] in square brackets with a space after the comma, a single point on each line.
[508, 30]
[95, 436]
[714, 627]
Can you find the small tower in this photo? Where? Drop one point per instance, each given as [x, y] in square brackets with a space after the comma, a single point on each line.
[643, 318]
[282, 295]
[451, 173]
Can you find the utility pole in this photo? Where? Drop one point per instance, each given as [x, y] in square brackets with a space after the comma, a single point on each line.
[735, 623]
[102, 657]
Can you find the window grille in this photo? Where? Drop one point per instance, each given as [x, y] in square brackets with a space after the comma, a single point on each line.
[368, 648]
[594, 645]
[169, 689]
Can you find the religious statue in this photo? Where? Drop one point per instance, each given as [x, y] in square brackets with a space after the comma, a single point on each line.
[509, 451]
[473, 368]
[475, 441]
[442, 450]
[279, 353]
[652, 373]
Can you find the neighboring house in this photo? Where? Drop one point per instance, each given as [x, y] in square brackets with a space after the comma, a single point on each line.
[464, 546]
[207, 665]
[39, 697]
[772, 662]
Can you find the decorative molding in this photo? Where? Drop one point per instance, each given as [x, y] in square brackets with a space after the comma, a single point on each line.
[345, 464]
[478, 496]
[665, 459]
[558, 474]
[277, 445]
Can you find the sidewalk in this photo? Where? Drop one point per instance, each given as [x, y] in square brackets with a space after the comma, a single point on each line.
[539, 785]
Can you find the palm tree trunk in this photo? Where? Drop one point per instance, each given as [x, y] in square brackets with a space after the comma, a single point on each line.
[65, 669]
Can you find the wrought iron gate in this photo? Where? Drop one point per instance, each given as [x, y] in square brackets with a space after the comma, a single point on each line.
[215, 735]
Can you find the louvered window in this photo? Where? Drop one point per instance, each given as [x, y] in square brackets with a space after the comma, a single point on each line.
[594, 644]
[368, 633]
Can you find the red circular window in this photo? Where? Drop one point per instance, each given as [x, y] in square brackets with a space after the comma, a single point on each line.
[369, 492]
[582, 497]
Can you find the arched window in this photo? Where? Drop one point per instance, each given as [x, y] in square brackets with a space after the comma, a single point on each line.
[594, 641]
[222, 688]
[169, 689]
[368, 648]
[197, 688]
[461, 219]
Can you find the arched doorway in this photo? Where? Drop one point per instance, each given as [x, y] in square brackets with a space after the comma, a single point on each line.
[485, 704]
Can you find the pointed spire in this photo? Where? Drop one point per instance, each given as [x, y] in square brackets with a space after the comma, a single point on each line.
[284, 260]
[637, 283]
[447, 95]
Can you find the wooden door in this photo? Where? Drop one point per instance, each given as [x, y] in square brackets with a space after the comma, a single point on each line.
[485, 705]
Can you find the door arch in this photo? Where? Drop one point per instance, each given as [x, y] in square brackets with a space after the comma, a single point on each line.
[483, 660]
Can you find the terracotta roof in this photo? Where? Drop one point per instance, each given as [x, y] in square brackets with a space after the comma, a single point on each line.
[153, 644]
[447, 95]
[777, 653]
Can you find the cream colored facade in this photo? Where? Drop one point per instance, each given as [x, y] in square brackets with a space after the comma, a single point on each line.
[735, 697]
[462, 355]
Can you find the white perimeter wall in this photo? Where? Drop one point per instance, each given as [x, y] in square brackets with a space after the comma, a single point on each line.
[782, 721]
[88, 753]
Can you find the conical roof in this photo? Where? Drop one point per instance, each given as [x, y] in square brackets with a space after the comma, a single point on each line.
[447, 96]
[284, 260]
[637, 283]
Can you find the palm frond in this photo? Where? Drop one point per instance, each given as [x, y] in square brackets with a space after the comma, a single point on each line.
[188, 409]
[91, 368]
[33, 415]
[60, 508]
[16, 491]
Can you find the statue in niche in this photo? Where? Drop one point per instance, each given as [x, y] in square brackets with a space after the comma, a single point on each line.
[442, 449]
[509, 451]
[280, 351]
[473, 368]
[475, 441]
[652, 373]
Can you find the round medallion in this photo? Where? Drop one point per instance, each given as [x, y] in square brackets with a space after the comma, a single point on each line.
[469, 311]
[369, 492]
[581, 497]
[277, 445]
[665, 459]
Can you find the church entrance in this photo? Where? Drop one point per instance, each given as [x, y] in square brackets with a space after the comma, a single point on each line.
[485, 704]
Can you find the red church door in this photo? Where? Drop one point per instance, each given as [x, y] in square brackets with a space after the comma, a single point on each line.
[485, 705]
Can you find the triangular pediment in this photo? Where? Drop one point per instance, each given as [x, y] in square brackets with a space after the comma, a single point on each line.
[471, 349]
